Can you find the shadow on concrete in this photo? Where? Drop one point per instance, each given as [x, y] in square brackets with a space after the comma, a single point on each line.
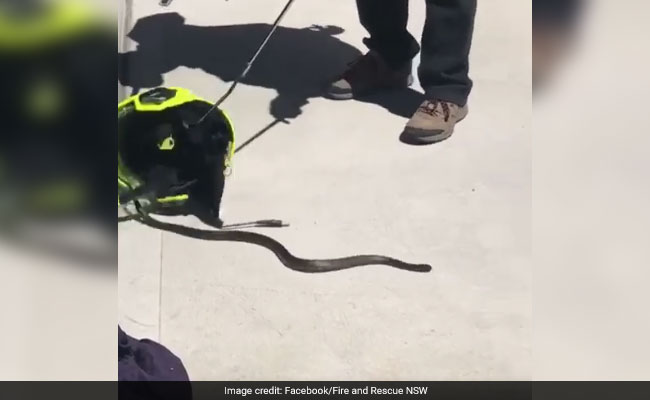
[297, 63]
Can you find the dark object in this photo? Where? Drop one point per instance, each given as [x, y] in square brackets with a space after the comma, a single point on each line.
[370, 74]
[288, 259]
[165, 3]
[162, 158]
[446, 42]
[557, 13]
[143, 362]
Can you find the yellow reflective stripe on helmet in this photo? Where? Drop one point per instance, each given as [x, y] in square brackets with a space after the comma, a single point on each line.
[167, 144]
[181, 96]
[172, 199]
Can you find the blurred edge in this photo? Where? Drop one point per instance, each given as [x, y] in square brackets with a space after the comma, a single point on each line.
[590, 190]
[57, 239]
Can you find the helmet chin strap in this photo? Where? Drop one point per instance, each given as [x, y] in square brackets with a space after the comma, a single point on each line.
[150, 191]
[143, 215]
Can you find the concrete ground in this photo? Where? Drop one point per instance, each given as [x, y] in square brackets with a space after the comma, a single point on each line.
[338, 173]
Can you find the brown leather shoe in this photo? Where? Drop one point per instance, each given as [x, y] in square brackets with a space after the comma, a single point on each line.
[433, 122]
[368, 74]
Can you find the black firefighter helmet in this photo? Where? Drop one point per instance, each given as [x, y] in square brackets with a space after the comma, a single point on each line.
[167, 159]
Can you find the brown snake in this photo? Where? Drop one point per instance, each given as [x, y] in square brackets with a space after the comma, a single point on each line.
[281, 252]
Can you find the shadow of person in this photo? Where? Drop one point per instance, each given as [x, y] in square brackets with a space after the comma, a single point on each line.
[297, 63]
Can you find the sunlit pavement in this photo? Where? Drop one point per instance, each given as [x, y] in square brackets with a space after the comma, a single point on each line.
[339, 175]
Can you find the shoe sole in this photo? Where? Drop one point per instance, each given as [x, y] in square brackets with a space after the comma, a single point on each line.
[419, 137]
[352, 95]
